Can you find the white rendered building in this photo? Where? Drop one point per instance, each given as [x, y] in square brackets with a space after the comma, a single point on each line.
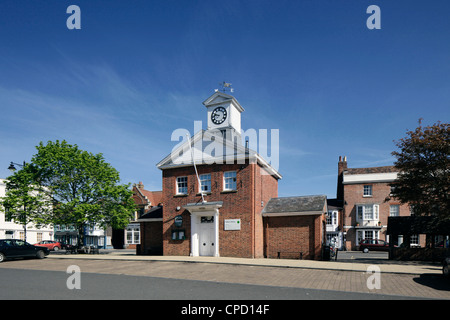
[12, 230]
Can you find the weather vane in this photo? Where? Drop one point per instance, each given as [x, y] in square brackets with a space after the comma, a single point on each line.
[225, 87]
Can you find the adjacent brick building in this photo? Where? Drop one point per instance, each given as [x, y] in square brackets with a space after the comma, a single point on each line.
[295, 227]
[367, 203]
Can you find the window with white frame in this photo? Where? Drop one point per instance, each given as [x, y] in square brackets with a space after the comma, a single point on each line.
[229, 180]
[332, 218]
[414, 240]
[394, 210]
[205, 182]
[367, 212]
[367, 190]
[182, 186]
[367, 235]
[133, 234]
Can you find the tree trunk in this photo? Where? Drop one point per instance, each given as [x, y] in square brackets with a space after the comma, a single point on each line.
[80, 242]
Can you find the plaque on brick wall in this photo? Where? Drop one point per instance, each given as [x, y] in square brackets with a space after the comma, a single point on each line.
[232, 224]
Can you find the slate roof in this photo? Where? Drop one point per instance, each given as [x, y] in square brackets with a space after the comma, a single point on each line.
[154, 213]
[335, 204]
[385, 169]
[302, 204]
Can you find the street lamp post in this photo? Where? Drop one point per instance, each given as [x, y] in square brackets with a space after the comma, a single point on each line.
[12, 168]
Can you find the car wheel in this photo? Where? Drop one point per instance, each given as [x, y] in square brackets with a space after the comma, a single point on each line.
[40, 254]
[366, 250]
[56, 248]
[2, 257]
[445, 271]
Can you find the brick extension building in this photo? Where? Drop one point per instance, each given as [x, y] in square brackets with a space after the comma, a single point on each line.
[217, 211]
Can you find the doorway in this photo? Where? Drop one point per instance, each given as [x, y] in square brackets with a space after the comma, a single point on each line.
[206, 236]
[204, 228]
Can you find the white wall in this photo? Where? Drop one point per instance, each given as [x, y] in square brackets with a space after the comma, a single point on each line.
[13, 230]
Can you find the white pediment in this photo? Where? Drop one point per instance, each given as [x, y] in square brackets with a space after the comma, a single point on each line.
[220, 98]
[206, 147]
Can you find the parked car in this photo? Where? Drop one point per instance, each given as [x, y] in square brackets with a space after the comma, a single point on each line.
[445, 270]
[374, 244]
[51, 245]
[14, 248]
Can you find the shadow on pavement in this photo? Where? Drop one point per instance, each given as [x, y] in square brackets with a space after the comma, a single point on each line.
[434, 281]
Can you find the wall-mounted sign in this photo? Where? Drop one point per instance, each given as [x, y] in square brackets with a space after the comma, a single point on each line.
[232, 224]
[178, 221]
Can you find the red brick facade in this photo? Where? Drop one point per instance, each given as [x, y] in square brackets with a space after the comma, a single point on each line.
[151, 235]
[253, 190]
[353, 194]
[294, 237]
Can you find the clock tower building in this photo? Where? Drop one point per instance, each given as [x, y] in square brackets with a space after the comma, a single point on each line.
[212, 206]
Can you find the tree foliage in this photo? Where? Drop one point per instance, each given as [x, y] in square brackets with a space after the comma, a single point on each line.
[24, 202]
[424, 171]
[83, 188]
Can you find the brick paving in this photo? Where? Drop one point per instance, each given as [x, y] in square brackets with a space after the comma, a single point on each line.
[425, 285]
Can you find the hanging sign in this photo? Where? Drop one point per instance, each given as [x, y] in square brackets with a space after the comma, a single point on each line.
[178, 221]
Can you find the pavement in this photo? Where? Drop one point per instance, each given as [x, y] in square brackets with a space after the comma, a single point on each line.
[385, 266]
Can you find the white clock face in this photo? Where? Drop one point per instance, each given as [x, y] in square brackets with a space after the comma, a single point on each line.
[219, 115]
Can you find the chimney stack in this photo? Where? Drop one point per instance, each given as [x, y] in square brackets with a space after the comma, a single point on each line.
[342, 166]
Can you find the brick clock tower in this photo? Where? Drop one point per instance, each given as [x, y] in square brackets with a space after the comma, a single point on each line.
[213, 208]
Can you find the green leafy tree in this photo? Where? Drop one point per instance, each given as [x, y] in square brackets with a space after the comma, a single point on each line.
[84, 189]
[24, 202]
[424, 172]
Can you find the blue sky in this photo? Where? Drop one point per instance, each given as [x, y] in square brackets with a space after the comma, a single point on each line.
[137, 70]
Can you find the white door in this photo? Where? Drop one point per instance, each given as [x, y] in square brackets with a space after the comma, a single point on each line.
[206, 236]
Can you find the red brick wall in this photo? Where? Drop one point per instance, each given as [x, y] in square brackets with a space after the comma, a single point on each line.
[244, 204]
[151, 235]
[292, 235]
[353, 194]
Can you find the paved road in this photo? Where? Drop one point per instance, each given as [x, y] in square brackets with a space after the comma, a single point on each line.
[51, 285]
[184, 280]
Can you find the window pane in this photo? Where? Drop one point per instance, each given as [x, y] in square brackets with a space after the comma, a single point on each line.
[367, 190]
[394, 210]
[368, 212]
[230, 180]
[359, 212]
[205, 181]
[182, 185]
[368, 235]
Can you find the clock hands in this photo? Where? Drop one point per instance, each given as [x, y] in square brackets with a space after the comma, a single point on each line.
[219, 115]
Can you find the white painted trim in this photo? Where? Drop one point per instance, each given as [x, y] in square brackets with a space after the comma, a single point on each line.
[370, 177]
